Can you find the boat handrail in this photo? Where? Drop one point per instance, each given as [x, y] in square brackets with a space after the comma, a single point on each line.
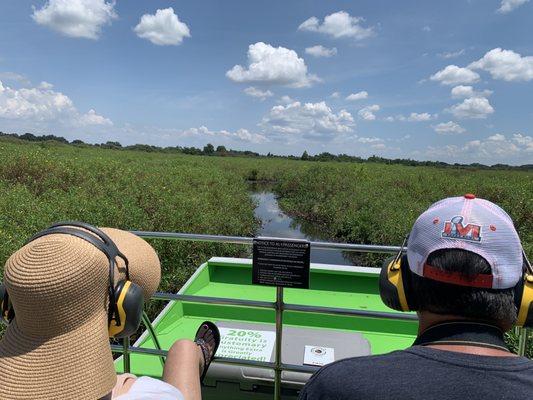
[362, 248]
[286, 307]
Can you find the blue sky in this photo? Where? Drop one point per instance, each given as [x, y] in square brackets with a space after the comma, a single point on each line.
[449, 81]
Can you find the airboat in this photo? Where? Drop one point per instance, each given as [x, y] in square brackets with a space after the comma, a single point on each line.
[273, 339]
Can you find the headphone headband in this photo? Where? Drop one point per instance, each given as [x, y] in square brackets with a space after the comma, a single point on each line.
[105, 245]
[74, 232]
[112, 249]
[115, 252]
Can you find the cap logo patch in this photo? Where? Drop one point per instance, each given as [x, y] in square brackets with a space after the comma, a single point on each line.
[455, 229]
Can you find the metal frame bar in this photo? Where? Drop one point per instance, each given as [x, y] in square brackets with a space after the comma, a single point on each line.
[150, 328]
[522, 341]
[286, 307]
[223, 360]
[363, 248]
[279, 337]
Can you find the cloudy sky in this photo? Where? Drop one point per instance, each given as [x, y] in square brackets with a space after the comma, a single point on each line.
[437, 80]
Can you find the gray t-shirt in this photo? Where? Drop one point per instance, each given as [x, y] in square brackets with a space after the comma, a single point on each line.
[423, 373]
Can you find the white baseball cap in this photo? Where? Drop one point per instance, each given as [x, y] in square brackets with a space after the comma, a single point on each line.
[472, 224]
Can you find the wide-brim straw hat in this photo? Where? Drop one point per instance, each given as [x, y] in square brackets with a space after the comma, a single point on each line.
[57, 347]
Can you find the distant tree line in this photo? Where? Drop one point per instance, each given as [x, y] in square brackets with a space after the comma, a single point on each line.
[221, 151]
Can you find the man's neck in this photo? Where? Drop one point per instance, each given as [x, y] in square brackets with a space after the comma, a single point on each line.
[428, 319]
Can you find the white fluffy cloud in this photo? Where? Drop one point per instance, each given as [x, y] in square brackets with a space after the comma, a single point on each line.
[447, 128]
[525, 141]
[241, 134]
[506, 65]
[492, 150]
[418, 117]
[413, 117]
[286, 100]
[76, 18]
[452, 54]
[357, 96]
[335, 95]
[258, 93]
[321, 51]
[338, 25]
[473, 107]
[162, 28]
[462, 92]
[42, 104]
[92, 118]
[507, 6]
[308, 118]
[273, 65]
[45, 85]
[374, 142]
[14, 77]
[367, 113]
[498, 137]
[454, 75]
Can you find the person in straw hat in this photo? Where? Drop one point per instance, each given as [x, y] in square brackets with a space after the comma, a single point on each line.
[56, 345]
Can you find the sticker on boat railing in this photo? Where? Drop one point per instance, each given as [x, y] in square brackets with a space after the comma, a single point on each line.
[318, 355]
[246, 344]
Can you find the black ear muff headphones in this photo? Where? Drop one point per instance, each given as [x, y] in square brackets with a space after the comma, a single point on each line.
[395, 282]
[524, 296]
[126, 299]
[395, 288]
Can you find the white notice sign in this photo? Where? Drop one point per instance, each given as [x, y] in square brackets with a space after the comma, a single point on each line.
[318, 355]
[246, 344]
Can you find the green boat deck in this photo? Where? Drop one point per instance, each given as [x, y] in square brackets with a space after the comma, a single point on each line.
[330, 286]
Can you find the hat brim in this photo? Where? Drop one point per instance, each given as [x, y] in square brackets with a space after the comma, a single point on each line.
[76, 365]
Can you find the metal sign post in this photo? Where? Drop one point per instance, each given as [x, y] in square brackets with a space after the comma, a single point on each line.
[126, 354]
[522, 341]
[280, 263]
[279, 332]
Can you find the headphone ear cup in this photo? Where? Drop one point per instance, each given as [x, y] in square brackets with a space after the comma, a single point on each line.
[129, 302]
[8, 313]
[395, 284]
[388, 288]
[407, 280]
[524, 301]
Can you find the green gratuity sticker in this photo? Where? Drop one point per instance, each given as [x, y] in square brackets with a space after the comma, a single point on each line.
[246, 344]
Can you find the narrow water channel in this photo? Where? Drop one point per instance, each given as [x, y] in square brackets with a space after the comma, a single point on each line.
[275, 222]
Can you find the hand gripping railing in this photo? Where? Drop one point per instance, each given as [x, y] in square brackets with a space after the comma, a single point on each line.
[278, 305]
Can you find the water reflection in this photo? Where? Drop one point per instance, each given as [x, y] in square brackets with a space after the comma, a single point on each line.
[276, 223]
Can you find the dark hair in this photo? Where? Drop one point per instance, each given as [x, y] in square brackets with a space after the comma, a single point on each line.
[492, 305]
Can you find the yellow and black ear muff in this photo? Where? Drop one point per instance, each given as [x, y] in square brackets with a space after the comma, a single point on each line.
[524, 297]
[126, 299]
[128, 308]
[395, 283]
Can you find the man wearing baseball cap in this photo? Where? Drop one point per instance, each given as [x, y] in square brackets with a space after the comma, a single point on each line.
[467, 277]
